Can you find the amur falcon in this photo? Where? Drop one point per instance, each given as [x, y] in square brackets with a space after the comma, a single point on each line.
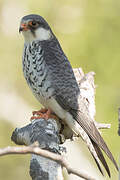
[50, 76]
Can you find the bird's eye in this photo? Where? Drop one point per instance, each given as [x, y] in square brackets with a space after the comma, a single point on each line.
[33, 23]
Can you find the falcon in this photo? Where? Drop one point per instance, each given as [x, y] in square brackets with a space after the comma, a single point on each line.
[50, 76]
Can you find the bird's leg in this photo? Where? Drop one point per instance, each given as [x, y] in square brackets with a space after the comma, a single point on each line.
[43, 113]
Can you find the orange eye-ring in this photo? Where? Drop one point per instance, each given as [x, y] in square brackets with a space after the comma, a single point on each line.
[32, 23]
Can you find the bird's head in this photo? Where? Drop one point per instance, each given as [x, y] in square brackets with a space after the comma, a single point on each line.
[34, 27]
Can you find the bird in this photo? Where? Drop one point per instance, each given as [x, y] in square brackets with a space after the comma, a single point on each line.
[50, 76]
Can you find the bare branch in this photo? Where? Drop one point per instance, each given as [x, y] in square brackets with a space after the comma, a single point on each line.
[102, 125]
[47, 154]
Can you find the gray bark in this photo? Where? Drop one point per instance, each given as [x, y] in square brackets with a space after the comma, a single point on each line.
[47, 135]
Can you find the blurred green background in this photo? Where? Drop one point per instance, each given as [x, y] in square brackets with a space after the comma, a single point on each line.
[89, 33]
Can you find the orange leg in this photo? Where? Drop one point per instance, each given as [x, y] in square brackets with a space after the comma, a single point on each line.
[42, 110]
[43, 113]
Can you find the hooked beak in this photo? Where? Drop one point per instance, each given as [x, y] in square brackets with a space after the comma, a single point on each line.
[23, 27]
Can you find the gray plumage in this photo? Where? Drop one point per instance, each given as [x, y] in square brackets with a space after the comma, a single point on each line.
[50, 76]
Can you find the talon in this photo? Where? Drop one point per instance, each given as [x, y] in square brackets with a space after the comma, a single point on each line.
[42, 110]
[36, 117]
[43, 113]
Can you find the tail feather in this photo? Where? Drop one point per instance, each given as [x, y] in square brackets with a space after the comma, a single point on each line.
[90, 145]
[101, 157]
[98, 165]
[89, 127]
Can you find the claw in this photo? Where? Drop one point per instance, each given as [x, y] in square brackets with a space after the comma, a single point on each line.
[44, 114]
[42, 110]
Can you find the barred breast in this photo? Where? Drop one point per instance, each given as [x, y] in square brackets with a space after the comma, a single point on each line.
[36, 73]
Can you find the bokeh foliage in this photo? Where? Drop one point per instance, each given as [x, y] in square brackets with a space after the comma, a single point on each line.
[89, 32]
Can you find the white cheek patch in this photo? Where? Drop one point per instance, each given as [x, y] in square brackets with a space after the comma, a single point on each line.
[28, 36]
[42, 34]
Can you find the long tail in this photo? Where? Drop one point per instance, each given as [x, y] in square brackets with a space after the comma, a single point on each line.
[89, 127]
[101, 157]
[92, 148]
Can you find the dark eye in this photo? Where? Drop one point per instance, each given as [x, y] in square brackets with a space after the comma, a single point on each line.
[34, 23]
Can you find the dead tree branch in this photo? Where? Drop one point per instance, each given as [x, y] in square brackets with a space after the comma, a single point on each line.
[38, 151]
